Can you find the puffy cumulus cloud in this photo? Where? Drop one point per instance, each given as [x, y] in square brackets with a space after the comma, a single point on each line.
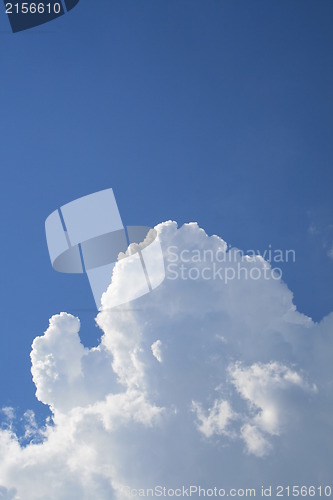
[265, 388]
[202, 381]
[66, 374]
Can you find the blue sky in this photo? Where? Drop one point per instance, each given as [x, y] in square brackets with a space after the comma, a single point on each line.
[216, 112]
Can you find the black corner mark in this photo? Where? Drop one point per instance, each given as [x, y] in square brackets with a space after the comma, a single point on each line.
[26, 14]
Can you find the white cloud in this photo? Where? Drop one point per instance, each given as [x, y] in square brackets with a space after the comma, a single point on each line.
[256, 443]
[266, 388]
[156, 349]
[262, 386]
[216, 420]
[9, 416]
[120, 418]
[31, 429]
